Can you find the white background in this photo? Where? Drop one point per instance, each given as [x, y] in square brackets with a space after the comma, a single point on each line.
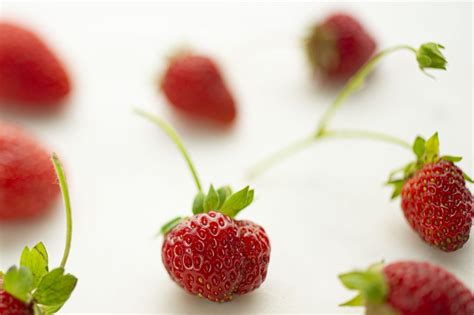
[326, 210]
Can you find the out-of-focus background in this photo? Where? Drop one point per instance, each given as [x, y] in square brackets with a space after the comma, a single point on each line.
[326, 210]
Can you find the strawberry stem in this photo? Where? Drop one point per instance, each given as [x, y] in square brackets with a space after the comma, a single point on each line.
[67, 204]
[365, 134]
[168, 129]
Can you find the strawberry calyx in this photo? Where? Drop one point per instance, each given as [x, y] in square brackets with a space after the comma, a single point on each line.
[426, 151]
[33, 282]
[371, 285]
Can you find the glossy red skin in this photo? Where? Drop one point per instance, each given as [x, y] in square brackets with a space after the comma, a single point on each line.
[194, 85]
[28, 184]
[438, 205]
[30, 74]
[11, 306]
[423, 289]
[206, 255]
[340, 46]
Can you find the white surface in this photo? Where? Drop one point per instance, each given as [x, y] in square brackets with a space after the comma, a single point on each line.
[325, 210]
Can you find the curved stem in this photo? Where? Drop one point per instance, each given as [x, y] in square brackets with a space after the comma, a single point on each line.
[372, 135]
[168, 129]
[355, 82]
[281, 155]
[67, 205]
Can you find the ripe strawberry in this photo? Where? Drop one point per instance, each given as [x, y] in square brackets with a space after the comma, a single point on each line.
[11, 306]
[30, 74]
[409, 288]
[435, 200]
[338, 47]
[211, 254]
[194, 85]
[28, 185]
[32, 288]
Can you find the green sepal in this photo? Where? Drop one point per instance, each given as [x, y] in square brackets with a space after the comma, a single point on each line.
[198, 203]
[451, 158]
[431, 149]
[168, 226]
[224, 192]
[429, 56]
[211, 201]
[370, 283]
[237, 202]
[467, 178]
[419, 147]
[19, 282]
[36, 260]
[54, 290]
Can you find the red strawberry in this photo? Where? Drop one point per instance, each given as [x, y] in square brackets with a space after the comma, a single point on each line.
[338, 47]
[28, 185]
[409, 288]
[435, 200]
[11, 306]
[194, 85]
[210, 254]
[30, 74]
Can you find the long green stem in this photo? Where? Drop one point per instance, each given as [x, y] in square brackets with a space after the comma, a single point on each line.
[356, 82]
[372, 135]
[67, 205]
[168, 129]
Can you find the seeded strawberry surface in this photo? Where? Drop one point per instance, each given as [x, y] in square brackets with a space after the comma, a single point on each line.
[214, 256]
[438, 205]
[30, 74]
[194, 85]
[28, 185]
[11, 306]
[424, 289]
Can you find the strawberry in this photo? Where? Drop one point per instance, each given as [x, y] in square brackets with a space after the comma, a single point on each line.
[30, 73]
[32, 288]
[211, 254]
[338, 47]
[409, 288]
[28, 186]
[435, 200]
[194, 85]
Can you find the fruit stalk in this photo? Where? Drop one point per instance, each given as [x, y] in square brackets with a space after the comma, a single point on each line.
[176, 139]
[67, 204]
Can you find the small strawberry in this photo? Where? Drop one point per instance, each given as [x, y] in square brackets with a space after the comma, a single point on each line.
[338, 47]
[435, 200]
[32, 288]
[409, 288]
[194, 85]
[28, 186]
[211, 254]
[30, 74]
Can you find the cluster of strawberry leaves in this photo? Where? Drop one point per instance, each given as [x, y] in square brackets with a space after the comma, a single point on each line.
[222, 200]
[35, 284]
[426, 151]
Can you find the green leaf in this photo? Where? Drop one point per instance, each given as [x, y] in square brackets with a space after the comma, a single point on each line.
[211, 201]
[19, 283]
[237, 202]
[54, 289]
[429, 56]
[371, 285]
[198, 203]
[224, 192]
[466, 177]
[397, 188]
[358, 300]
[432, 148]
[36, 260]
[168, 226]
[451, 158]
[419, 147]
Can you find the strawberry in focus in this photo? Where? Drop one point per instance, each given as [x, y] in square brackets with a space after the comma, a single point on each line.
[31, 75]
[435, 199]
[409, 288]
[28, 185]
[32, 287]
[338, 47]
[193, 84]
[211, 254]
